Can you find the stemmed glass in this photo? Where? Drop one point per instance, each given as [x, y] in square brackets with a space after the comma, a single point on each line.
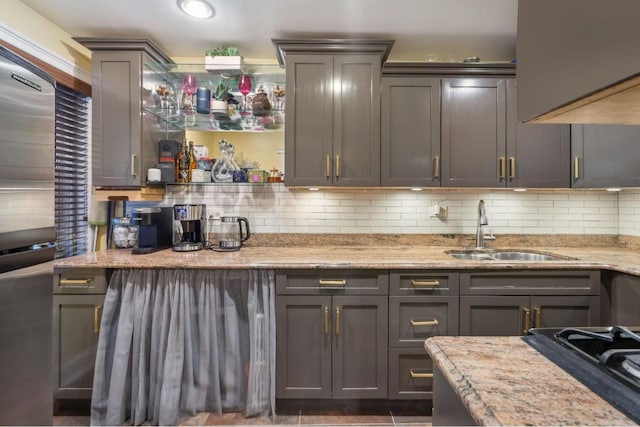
[244, 86]
[189, 89]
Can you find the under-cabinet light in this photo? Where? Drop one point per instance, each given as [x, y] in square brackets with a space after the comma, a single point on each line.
[196, 8]
[416, 188]
[520, 189]
[313, 189]
[614, 189]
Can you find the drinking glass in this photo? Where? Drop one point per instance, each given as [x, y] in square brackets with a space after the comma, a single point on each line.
[189, 88]
[244, 86]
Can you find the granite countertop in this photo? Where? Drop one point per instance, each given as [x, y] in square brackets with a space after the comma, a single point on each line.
[364, 257]
[504, 381]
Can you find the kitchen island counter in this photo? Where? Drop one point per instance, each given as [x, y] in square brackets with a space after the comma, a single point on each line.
[352, 257]
[504, 381]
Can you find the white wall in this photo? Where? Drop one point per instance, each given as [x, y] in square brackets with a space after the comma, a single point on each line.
[276, 209]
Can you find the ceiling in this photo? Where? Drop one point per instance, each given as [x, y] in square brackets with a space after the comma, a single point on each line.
[446, 29]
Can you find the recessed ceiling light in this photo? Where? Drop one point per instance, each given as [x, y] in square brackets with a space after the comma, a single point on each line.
[196, 8]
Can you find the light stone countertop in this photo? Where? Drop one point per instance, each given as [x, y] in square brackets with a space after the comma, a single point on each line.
[353, 257]
[504, 381]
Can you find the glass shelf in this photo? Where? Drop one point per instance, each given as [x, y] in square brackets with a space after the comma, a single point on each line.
[164, 96]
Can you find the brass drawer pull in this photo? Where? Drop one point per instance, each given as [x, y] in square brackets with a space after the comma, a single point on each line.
[512, 167]
[337, 165]
[576, 168]
[502, 167]
[337, 320]
[75, 282]
[433, 322]
[97, 314]
[326, 282]
[426, 283]
[134, 163]
[328, 166]
[527, 321]
[415, 374]
[436, 167]
[326, 320]
[537, 314]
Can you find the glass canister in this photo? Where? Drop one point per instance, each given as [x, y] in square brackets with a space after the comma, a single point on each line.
[125, 232]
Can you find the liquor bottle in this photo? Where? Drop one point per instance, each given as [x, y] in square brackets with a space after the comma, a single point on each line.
[183, 172]
[192, 157]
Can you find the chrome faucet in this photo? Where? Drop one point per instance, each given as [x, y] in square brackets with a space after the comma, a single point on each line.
[482, 220]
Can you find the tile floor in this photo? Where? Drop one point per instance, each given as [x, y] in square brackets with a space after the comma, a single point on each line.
[290, 418]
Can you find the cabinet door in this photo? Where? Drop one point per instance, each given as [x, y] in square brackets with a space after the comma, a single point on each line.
[494, 315]
[309, 113]
[356, 120]
[474, 130]
[625, 300]
[538, 155]
[605, 156]
[76, 326]
[360, 347]
[303, 347]
[410, 132]
[562, 311]
[117, 120]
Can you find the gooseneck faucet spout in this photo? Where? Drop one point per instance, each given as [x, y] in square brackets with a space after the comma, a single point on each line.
[482, 220]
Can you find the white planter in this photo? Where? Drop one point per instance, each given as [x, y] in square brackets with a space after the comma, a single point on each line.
[223, 63]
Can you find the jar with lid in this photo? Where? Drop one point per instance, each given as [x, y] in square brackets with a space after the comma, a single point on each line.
[125, 232]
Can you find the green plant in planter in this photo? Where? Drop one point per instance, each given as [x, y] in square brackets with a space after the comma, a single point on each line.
[223, 51]
[221, 92]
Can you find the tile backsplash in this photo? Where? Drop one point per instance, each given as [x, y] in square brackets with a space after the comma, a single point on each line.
[278, 209]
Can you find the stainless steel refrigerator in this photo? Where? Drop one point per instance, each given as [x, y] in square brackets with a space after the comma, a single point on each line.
[27, 241]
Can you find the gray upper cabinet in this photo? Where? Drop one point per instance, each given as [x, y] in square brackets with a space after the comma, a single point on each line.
[332, 132]
[474, 132]
[410, 131]
[605, 156]
[538, 155]
[483, 145]
[124, 136]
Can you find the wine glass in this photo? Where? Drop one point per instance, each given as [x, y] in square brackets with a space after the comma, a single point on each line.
[189, 88]
[244, 86]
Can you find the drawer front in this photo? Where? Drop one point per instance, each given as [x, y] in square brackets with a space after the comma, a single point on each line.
[414, 319]
[421, 282]
[410, 374]
[339, 282]
[80, 281]
[530, 282]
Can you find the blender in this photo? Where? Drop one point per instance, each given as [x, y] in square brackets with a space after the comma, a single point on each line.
[189, 227]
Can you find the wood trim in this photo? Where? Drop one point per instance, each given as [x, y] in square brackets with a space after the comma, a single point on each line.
[60, 76]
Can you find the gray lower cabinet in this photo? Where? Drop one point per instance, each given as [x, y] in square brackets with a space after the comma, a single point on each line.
[624, 294]
[605, 156]
[410, 131]
[77, 311]
[422, 304]
[330, 344]
[511, 302]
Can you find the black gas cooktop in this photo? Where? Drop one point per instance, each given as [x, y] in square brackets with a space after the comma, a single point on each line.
[605, 359]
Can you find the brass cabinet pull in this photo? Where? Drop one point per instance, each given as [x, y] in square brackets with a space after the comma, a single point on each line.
[502, 167]
[133, 165]
[75, 282]
[527, 321]
[326, 320]
[576, 168]
[337, 320]
[433, 322]
[325, 282]
[415, 374]
[436, 167]
[328, 166]
[337, 165]
[512, 167]
[97, 311]
[537, 314]
[426, 283]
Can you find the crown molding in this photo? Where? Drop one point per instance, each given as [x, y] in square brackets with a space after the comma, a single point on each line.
[29, 46]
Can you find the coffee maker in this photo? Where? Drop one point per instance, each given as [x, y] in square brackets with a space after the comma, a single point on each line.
[155, 229]
[189, 228]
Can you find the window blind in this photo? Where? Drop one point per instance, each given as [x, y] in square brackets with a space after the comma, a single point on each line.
[71, 171]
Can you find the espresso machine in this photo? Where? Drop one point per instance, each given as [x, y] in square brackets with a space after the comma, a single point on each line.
[155, 229]
[189, 228]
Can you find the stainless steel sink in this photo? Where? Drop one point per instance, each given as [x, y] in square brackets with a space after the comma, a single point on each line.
[504, 255]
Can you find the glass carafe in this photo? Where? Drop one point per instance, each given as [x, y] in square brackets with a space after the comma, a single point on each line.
[225, 166]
